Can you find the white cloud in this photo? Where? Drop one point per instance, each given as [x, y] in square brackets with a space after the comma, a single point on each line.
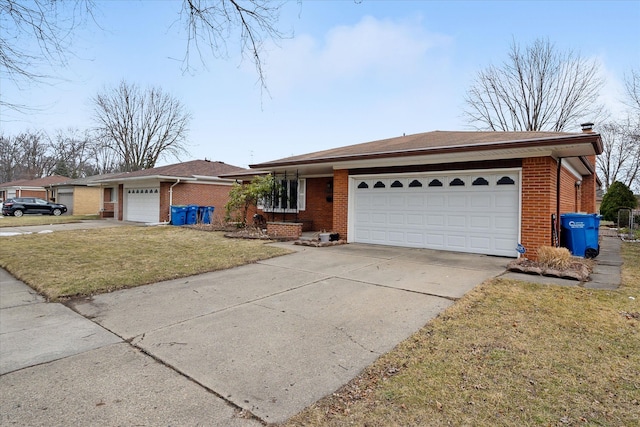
[371, 48]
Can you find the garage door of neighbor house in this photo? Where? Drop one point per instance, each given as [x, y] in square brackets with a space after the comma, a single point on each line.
[143, 204]
[457, 211]
[65, 196]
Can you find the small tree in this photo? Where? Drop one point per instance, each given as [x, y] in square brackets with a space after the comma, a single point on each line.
[244, 196]
[618, 196]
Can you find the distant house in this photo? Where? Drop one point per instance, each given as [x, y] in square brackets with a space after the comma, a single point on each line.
[82, 197]
[147, 195]
[478, 192]
[31, 188]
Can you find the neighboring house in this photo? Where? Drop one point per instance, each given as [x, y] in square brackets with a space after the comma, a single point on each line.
[147, 195]
[31, 188]
[82, 197]
[477, 192]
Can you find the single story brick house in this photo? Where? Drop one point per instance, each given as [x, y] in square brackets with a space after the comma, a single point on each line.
[147, 195]
[39, 187]
[79, 195]
[477, 192]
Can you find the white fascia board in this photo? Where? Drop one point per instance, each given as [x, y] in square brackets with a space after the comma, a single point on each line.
[514, 153]
[207, 178]
[571, 170]
[146, 178]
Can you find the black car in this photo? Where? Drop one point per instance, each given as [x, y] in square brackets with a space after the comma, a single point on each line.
[31, 205]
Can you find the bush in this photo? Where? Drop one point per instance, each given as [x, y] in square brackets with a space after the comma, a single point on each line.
[618, 196]
[550, 257]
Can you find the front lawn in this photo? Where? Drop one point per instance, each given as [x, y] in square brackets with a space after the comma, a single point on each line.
[26, 220]
[509, 353]
[84, 262]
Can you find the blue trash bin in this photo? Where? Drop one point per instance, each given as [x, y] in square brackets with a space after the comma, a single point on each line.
[579, 234]
[178, 215]
[205, 214]
[192, 215]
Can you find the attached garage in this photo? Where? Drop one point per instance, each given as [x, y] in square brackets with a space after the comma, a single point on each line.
[143, 204]
[65, 196]
[457, 211]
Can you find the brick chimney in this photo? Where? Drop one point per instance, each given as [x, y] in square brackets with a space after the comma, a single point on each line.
[587, 127]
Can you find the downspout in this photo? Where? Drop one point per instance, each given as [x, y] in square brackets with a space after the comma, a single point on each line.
[556, 243]
[171, 199]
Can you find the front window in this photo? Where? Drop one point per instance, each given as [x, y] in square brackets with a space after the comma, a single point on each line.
[286, 196]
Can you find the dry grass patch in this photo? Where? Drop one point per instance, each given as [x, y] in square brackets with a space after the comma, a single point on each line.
[27, 220]
[85, 262]
[552, 257]
[508, 353]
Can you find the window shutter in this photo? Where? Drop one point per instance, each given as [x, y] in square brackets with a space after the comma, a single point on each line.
[302, 190]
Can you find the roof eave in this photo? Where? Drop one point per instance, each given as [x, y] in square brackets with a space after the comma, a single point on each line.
[596, 143]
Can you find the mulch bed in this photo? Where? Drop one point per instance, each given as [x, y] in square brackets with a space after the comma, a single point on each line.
[578, 270]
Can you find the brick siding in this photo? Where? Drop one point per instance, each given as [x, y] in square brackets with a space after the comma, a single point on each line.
[340, 202]
[86, 200]
[292, 230]
[216, 195]
[538, 202]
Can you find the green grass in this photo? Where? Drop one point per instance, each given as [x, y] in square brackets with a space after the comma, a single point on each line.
[85, 262]
[26, 220]
[508, 353]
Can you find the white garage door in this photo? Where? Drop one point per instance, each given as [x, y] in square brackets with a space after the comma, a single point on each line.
[143, 204]
[465, 212]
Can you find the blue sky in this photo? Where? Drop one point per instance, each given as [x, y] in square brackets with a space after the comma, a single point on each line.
[351, 72]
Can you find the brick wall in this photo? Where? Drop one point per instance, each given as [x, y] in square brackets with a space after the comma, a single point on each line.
[86, 200]
[318, 212]
[291, 230]
[41, 194]
[539, 179]
[588, 190]
[120, 201]
[569, 200]
[538, 202]
[216, 195]
[340, 202]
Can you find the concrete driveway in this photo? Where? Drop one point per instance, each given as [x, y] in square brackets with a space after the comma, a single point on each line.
[270, 338]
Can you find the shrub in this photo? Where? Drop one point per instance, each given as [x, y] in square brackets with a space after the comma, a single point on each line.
[618, 196]
[559, 258]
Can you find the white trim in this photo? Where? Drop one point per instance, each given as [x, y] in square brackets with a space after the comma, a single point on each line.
[571, 170]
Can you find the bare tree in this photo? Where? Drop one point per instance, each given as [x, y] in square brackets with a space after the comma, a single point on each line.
[141, 126]
[73, 153]
[25, 156]
[212, 23]
[620, 159]
[632, 87]
[10, 157]
[37, 33]
[538, 88]
[104, 159]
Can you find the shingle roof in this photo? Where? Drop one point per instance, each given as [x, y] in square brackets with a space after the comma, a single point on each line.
[423, 143]
[88, 179]
[183, 170]
[40, 182]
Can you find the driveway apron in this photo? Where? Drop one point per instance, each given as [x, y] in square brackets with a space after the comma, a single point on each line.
[275, 336]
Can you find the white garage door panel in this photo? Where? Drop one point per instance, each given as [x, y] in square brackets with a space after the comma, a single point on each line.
[143, 204]
[481, 216]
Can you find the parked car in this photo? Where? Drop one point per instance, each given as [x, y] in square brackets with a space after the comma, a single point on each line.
[31, 205]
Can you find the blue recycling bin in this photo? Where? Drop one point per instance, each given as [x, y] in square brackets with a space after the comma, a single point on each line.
[178, 215]
[205, 214]
[192, 215]
[579, 234]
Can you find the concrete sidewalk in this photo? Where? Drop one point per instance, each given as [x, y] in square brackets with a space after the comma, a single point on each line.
[267, 339]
